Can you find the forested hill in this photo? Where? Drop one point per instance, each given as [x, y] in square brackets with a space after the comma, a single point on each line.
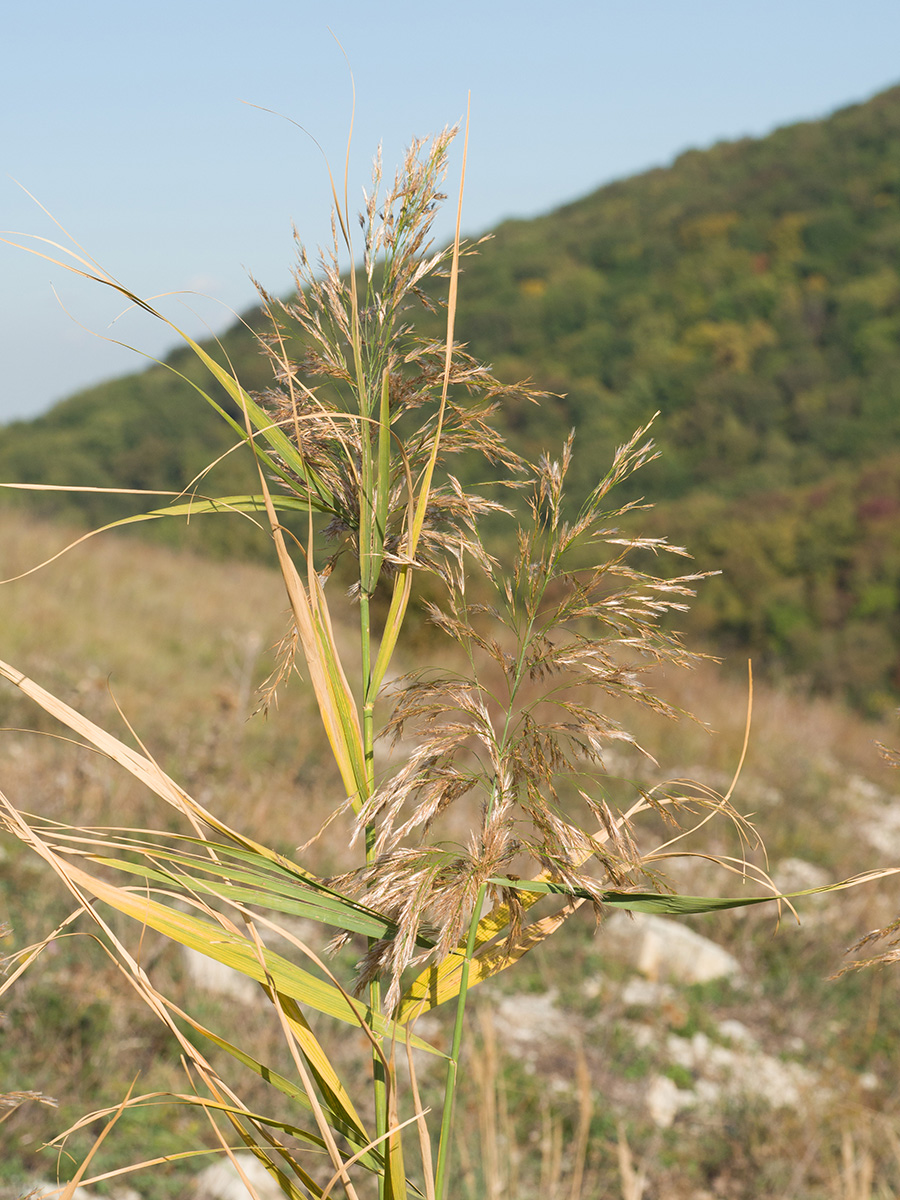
[751, 294]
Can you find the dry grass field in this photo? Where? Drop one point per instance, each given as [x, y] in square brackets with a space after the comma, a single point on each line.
[588, 1076]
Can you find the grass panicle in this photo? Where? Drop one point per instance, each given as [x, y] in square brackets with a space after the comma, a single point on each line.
[499, 811]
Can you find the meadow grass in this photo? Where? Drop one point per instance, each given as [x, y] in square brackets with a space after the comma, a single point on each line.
[796, 773]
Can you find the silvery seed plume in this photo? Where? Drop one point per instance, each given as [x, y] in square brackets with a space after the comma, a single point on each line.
[519, 730]
[335, 342]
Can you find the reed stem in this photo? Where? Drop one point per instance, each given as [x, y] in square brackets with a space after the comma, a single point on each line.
[379, 1082]
[440, 1182]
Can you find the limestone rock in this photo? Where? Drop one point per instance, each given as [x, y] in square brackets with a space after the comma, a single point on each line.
[213, 976]
[664, 1100]
[663, 948]
[528, 1017]
[881, 828]
[222, 1181]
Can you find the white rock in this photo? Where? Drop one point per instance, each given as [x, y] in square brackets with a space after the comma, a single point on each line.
[691, 1053]
[221, 1181]
[660, 947]
[665, 1100]
[592, 988]
[859, 788]
[737, 1032]
[214, 976]
[54, 1189]
[645, 993]
[529, 1018]
[881, 828]
[745, 1072]
[781, 1084]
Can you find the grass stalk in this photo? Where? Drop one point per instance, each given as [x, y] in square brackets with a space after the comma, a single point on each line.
[544, 645]
[447, 1116]
[379, 1077]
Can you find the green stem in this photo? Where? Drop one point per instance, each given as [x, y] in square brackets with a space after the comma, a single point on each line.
[379, 1082]
[368, 703]
[443, 1159]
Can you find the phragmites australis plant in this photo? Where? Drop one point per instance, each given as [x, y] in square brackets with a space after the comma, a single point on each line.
[363, 440]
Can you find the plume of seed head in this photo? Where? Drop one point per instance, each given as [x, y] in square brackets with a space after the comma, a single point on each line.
[518, 733]
[550, 647]
[332, 343]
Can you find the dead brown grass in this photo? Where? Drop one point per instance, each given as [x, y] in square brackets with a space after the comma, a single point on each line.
[797, 780]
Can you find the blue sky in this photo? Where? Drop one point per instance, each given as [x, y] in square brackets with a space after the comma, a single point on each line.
[129, 123]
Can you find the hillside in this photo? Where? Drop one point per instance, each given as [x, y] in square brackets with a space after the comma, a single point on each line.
[750, 293]
[764, 1079]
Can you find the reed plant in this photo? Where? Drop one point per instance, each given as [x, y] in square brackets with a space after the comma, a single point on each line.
[496, 816]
